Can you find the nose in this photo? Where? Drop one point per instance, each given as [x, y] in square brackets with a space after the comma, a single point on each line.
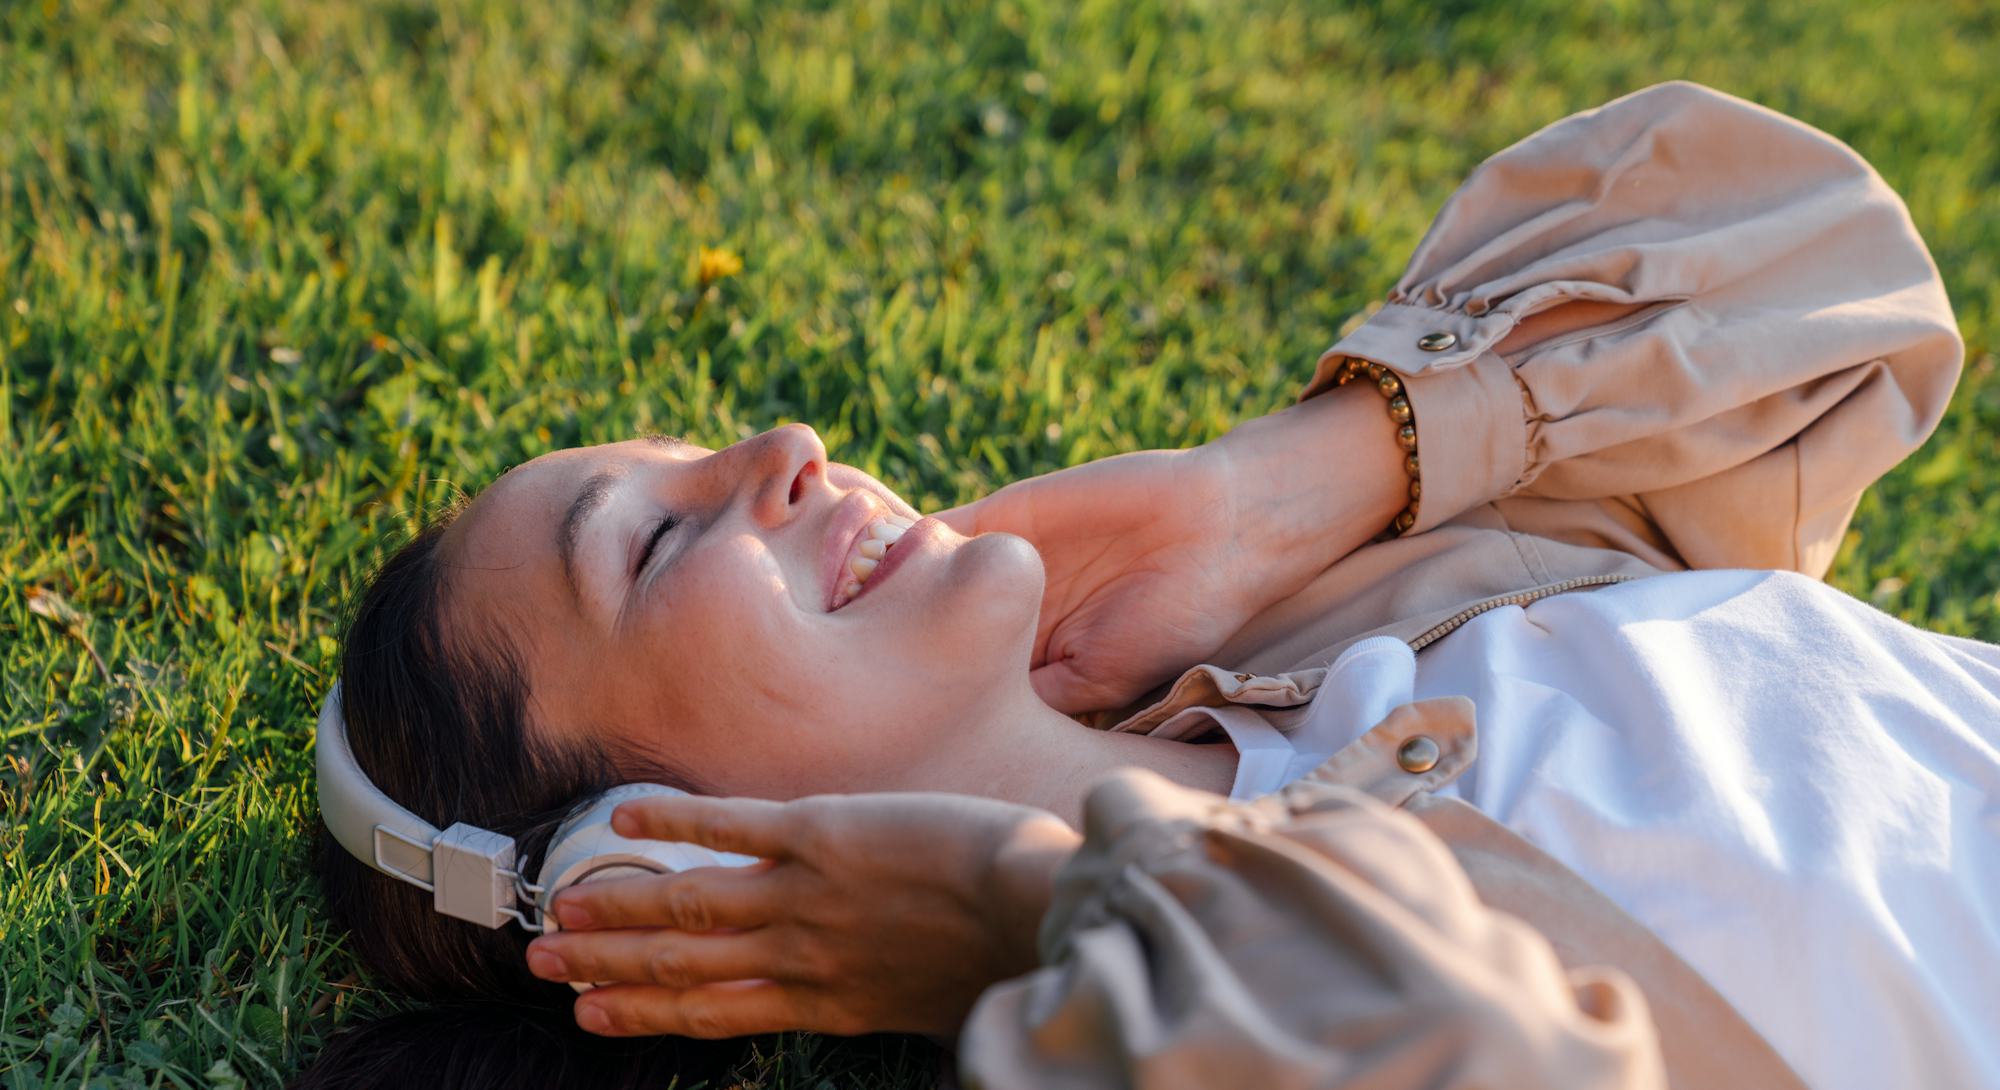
[785, 461]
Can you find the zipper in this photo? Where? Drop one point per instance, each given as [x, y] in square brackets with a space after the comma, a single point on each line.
[1520, 598]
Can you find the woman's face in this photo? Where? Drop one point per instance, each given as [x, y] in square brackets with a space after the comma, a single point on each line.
[699, 606]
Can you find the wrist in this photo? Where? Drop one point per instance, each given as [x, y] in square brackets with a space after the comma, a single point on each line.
[1023, 884]
[1311, 483]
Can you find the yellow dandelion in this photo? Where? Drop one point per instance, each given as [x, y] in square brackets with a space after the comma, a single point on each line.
[712, 264]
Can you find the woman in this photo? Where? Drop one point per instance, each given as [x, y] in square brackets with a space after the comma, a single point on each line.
[1676, 332]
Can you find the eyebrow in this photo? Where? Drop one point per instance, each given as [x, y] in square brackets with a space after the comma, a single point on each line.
[589, 498]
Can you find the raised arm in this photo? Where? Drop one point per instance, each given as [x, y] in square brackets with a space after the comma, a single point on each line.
[1680, 325]
[1316, 937]
[1704, 313]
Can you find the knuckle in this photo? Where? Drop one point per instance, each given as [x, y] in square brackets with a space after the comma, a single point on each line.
[669, 968]
[808, 828]
[811, 961]
[713, 830]
[687, 910]
[699, 1019]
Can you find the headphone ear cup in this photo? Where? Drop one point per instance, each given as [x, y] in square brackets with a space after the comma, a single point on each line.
[586, 849]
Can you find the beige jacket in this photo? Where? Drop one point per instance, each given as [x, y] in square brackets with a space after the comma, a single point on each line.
[1680, 330]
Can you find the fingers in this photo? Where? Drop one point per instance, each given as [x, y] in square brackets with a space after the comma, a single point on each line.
[1008, 509]
[735, 1009]
[749, 826]
[1061, 687]
[697, 900]
[673, 959]
[963, 519]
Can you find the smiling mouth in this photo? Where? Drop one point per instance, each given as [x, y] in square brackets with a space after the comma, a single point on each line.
[868, 557]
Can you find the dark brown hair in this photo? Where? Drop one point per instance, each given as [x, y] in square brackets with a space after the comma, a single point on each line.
[438, 718]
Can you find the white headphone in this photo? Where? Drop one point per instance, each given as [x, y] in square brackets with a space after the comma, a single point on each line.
[469, 871]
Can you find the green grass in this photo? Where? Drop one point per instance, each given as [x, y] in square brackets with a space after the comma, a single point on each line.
[273, 279]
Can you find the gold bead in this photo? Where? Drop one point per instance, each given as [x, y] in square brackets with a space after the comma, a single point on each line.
[1407, 436]
[1416, 491]
[1405, 520]
[1389, 384]
[1410, 465]
[1399, 409]
[1374, 370]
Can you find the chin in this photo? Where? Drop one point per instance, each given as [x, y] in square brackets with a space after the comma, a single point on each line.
[995, 587]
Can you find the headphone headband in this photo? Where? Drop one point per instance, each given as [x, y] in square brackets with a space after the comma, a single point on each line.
[469, 871]
[359, 815]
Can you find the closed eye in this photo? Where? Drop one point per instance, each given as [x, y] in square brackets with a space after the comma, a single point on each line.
[653, 543]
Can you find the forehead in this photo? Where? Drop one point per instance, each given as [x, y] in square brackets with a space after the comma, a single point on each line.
[514, 521]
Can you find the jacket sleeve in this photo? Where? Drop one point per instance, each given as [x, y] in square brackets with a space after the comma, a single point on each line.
[1682, 303]
[1313, 938]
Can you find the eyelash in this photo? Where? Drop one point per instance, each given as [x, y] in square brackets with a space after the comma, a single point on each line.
[653, 542]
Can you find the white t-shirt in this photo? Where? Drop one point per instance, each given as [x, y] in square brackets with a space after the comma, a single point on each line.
[1799, 794]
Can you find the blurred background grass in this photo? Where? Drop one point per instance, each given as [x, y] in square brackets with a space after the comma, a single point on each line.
[275, 276]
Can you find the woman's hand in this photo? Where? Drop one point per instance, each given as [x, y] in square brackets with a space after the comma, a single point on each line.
[870, 913]
[1155, 558]
[1144, 568]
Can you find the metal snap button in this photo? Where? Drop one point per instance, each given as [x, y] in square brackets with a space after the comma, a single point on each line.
[1437, 342]
[1418, 755]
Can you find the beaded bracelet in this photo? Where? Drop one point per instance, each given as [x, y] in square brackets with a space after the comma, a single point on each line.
[1391, 387]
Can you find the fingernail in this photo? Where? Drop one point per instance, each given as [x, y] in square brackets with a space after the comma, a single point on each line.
[592, 1020]
[623, 823]
[545, 964]
[572, 915]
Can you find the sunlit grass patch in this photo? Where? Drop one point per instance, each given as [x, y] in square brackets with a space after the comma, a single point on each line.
[277, 277]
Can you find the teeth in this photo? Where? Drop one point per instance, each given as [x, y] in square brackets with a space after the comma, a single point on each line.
[884, 532]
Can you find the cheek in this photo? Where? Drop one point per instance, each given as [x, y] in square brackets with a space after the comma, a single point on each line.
[754, 696]
[735, 681]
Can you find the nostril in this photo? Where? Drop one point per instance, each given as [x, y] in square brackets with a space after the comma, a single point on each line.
[799, 482]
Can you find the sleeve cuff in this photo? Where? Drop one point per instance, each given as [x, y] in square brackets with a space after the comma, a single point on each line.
[1472, 427]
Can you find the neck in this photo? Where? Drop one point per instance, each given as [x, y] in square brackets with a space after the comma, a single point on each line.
[1018, 749]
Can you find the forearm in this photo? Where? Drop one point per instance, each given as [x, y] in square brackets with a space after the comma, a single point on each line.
[1193, 944]
[1312, 483]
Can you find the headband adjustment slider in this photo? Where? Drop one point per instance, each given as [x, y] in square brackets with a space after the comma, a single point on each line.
[472, 875]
